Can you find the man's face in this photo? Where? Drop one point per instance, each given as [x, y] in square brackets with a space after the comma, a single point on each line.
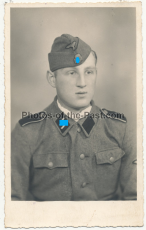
[75, 85]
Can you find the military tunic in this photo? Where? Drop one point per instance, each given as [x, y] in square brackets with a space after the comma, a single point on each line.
[86, 160]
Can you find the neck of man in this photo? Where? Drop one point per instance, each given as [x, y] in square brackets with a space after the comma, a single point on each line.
[73, 110]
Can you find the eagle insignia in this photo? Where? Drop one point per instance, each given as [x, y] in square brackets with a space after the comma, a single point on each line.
[73, 45]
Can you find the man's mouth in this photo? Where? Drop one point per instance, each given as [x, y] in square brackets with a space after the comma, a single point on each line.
[81, 92]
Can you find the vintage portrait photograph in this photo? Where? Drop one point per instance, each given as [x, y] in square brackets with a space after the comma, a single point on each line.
[73, 100]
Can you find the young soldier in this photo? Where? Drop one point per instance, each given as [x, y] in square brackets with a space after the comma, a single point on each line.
[73, 158]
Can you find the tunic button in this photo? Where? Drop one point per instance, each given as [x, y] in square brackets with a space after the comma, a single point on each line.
[84, 184]
[112, 159]
[50, 164]
[79, 130]
[82, 156]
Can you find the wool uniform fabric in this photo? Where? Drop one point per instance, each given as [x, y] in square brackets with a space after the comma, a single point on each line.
[92, 159]
[68, 51]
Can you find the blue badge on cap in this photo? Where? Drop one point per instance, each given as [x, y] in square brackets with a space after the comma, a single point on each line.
[78, 58]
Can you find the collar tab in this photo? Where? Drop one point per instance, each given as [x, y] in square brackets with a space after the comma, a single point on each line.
[62, 128]
[88, 124]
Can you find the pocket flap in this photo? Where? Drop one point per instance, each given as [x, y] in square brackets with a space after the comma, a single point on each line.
[109, 156]
[50, 160]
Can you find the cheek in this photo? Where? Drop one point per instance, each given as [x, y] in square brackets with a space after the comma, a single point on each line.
[91, 81]
[63, 85]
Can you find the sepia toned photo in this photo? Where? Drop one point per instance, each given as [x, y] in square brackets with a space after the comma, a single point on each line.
[74, 118]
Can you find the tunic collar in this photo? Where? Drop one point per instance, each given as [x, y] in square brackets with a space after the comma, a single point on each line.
[87, 123]
[75, 116]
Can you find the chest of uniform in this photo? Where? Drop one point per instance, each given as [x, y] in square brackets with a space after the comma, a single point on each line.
[79, 167]
[57, 150]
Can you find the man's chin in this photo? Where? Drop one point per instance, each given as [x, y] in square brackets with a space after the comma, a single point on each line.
[80, 105]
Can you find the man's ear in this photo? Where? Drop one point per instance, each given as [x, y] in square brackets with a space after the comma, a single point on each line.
[51, 78]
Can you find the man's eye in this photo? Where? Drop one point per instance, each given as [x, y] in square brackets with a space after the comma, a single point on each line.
[72, 72]
[89, 72]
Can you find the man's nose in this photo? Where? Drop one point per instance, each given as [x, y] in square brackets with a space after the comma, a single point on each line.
[81, 81]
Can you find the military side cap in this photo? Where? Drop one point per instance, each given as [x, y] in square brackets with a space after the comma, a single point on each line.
[68, 51]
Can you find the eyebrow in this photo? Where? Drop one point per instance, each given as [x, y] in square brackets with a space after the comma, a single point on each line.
[90, 67]
[69, 68]
[75, 68]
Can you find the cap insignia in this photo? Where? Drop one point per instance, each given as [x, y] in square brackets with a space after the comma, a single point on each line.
[78, 58]
[72, 45]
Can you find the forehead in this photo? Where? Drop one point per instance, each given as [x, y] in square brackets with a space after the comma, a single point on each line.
[89, 62]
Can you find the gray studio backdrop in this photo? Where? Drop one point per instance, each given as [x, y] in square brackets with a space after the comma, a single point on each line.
[111, 32]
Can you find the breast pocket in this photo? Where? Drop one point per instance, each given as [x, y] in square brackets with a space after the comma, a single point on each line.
[109, 156]
[108, 165]
[50, 160]
[51, 176]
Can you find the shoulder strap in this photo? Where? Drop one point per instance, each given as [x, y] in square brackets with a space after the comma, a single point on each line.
[37, 117]
[114, 115]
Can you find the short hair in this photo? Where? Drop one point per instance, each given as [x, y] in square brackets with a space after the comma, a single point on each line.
[95, 56]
